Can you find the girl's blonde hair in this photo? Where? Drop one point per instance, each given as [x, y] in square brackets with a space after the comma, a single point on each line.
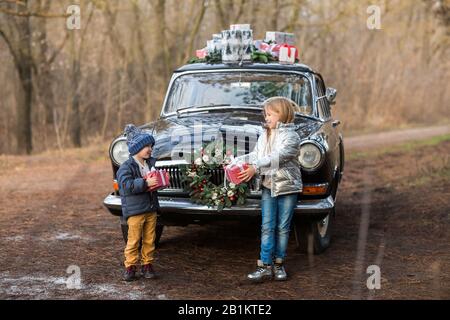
[283, 106]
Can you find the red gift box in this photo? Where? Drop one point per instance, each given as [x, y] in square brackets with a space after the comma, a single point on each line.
[162, 177]
[201, 53]
[287, 53]
[232, 171]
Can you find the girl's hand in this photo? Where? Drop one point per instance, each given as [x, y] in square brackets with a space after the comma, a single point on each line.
[246, 175]
[152, 182]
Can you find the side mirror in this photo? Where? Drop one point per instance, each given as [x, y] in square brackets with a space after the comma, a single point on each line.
[331, 95]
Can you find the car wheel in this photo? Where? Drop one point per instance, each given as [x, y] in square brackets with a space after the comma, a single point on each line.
[159, 231]
[313, 236]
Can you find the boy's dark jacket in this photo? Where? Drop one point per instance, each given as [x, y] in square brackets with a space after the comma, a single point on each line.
[133, 189]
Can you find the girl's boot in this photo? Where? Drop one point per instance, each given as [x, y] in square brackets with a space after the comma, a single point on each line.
[263, 272]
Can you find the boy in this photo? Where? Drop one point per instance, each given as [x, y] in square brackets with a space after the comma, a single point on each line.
[139, 206]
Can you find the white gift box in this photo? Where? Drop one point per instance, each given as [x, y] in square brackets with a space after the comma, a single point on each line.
[236, 45]
[289, 38]
[214, 46]
[280, 37]
[231, 45]
[247, 42]
[240, 27]
[287, 55]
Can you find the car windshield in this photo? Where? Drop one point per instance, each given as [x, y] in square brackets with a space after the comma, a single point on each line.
[202, 90]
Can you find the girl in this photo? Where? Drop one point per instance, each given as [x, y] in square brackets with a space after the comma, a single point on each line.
[275, 157]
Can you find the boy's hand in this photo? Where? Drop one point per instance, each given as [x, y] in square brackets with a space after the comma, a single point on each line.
[152, 182]
[246, 175]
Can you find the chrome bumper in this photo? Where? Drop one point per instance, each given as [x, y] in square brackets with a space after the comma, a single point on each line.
[252, 206]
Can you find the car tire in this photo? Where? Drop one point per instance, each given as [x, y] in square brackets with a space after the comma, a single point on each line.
[159, 231]
[314, 237]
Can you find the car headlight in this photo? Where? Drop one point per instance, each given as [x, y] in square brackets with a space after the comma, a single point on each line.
[311, 156]
[119, 152]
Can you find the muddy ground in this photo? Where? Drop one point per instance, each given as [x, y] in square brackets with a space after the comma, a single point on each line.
[51, 217]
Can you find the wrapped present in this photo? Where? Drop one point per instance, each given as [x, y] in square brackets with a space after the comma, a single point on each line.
[289, 38]
[280, 37]
[288, 54]
[232, 172]
[217, 36]
[214, 45]
[210, 46]
[258, 44]
[264, 47]
[201, 54]
[236, 44]
[231, 46]
[247, 41]
[274, 49]
[163, 179]
[240, 27]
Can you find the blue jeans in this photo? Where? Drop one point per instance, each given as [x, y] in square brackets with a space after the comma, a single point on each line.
[277, 214]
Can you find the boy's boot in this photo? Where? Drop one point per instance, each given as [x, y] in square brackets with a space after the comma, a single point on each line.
[129, 274]
[148, 272]
[263, 272]
[279, 271]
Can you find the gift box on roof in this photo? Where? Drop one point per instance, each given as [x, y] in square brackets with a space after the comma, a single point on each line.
[236, 45]
[274, 49]
[201, 53]
[214, 45]
[280, 37]
[232, 172]
[288, 54]
[289, 38]
[245, 26]
[162, 177]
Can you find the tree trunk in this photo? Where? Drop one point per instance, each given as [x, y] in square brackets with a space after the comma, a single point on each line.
[160, 38]
[75, 122]
[23, 61]
[75, 127]
[24, 100]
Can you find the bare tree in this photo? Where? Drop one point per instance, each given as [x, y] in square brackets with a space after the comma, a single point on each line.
[76, 54]
[44, 59]
[159, 27]
[15, 30]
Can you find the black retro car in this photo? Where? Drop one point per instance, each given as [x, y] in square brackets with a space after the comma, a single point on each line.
[217, 101]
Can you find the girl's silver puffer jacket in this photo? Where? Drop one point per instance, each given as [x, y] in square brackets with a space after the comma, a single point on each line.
[282, 163]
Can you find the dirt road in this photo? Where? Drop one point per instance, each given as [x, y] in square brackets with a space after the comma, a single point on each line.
[393, 211]
[380, 139]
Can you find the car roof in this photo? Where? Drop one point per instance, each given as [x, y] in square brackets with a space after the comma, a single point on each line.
[257, 66]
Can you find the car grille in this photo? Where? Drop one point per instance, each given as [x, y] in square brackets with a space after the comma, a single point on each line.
[217, 176]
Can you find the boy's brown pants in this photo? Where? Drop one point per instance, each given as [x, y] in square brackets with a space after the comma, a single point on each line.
[140, 226]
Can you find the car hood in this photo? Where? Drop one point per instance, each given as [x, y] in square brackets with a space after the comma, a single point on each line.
[171, 131]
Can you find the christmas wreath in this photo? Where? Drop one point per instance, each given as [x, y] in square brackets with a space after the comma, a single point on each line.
[197, 179]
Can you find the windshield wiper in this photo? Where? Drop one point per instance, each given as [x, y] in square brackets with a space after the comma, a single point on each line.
[207, 107]
[199, 107]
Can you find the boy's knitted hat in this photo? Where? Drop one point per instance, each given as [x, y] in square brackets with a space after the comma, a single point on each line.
[137, 139]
